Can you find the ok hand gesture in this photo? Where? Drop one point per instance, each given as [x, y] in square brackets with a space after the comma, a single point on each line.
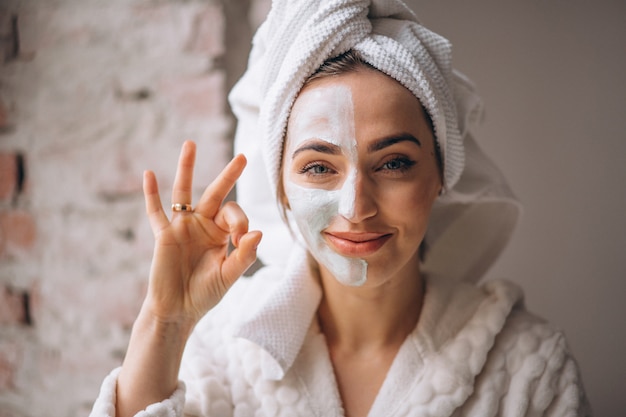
[191, 269]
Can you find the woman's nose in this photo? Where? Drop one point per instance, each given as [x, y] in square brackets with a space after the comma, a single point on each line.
[355, 198]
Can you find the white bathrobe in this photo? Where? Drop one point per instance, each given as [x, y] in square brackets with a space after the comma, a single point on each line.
[474, 352]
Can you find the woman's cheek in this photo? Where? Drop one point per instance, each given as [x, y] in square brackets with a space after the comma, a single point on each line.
[313, 210]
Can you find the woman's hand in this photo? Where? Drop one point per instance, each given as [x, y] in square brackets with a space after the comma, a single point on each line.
[191, 269]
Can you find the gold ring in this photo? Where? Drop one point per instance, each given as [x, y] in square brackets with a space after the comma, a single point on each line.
[182, 207]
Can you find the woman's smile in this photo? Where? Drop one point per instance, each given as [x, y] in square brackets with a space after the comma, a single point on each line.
[353, 244]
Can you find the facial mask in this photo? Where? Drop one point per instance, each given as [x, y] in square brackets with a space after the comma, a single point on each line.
[325, 114]
[313, 210]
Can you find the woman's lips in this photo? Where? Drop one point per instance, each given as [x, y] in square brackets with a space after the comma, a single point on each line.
[356, 244]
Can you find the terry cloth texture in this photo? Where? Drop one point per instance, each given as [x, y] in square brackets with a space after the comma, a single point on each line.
[471, 223]
[299, 35]
[476, 352]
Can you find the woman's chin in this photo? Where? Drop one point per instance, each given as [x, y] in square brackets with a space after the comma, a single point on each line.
[348, 271]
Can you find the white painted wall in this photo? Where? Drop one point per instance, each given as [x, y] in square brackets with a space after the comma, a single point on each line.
[96, 93]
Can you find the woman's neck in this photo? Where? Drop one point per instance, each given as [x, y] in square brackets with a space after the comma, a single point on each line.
[361, 319]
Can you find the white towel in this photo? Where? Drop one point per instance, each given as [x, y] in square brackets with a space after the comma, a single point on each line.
[475, 217]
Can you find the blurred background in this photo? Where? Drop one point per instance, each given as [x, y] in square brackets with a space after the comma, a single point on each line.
[94, 92]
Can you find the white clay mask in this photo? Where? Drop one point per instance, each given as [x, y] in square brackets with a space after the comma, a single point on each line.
[324, 114]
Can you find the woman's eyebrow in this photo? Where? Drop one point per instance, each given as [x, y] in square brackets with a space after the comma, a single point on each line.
[391, 140]
[318, 146]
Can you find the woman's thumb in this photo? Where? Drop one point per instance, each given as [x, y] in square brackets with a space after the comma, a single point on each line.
[241, 258]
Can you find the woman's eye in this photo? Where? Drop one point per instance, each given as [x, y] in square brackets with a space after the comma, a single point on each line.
[398, 164]
[316, 168]
[319, 169]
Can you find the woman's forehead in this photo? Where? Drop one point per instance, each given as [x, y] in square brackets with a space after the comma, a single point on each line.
[367, 101]
[320, 99]
[323, 113]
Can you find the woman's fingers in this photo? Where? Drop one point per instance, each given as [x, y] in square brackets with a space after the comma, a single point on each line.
[156, 215]
[231, 219]
[181, 193]
[241, 258]
[216, 192]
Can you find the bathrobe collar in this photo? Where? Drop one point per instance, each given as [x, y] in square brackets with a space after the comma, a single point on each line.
[457, 327]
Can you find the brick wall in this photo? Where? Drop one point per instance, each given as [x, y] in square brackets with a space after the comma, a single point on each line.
[91, 94]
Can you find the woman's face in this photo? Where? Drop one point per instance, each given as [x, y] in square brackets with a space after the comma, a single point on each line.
[360, 175]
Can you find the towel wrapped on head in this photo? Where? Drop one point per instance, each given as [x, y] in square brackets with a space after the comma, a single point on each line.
[474, 219]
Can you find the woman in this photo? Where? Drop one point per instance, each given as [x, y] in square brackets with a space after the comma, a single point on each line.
[362, 124]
